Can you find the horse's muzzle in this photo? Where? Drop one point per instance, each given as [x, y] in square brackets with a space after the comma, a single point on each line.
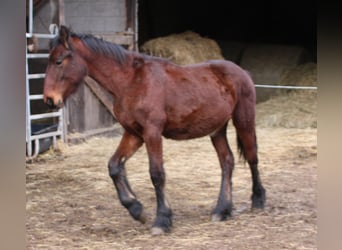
[50, 103]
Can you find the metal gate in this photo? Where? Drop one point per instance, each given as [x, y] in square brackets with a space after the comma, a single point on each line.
[46, 135]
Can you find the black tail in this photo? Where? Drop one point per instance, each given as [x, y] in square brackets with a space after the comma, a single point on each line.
[241, 148]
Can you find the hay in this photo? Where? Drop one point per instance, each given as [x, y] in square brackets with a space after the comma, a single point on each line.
[184, 48]
[292, 110]
[72, 204]
[268, 63]
[301, 75]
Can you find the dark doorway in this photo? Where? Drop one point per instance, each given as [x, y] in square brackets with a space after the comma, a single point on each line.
[282, 22]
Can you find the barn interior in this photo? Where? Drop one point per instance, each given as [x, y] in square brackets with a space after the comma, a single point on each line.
[271, 22]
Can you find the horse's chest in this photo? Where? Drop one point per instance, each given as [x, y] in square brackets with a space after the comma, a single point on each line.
[126, 118]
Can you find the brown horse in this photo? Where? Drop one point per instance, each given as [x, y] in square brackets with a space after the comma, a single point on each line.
[153, 98]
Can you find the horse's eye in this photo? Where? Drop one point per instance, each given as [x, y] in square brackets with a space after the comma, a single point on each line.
[59, 61]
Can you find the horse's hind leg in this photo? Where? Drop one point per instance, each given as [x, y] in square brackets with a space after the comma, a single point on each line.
[224, 204]
[128, 146]
[247, 143]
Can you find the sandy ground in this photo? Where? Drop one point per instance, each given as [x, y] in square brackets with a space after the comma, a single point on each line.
[72, 204]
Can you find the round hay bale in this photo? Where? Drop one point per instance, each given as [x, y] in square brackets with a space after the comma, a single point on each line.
[267, 64]
[184, 48]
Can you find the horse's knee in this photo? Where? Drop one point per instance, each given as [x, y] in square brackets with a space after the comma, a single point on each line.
[114, 168]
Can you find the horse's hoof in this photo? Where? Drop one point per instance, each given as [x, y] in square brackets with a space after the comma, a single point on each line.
[257, 207]
[258, 204]
[142, 217]
[157, 231]
[216, 218]
[258, 201]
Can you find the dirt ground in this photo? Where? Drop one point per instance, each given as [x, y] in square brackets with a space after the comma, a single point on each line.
[72, 203]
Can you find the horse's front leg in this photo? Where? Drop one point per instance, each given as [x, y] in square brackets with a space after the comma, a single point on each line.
[128, 146]
[153, 141]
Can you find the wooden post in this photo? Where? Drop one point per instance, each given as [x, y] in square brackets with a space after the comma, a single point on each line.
[101, 94]
[61, 12]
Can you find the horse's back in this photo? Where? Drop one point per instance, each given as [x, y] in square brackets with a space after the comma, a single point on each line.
[231, 72]
[196, 102]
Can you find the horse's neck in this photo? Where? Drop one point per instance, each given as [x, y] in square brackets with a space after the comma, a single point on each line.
[106, 73]
[104, 70]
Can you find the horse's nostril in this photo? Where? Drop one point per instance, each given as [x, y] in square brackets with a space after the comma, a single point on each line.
[49, 102]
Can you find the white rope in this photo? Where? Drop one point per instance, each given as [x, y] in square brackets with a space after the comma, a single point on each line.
[285, 87]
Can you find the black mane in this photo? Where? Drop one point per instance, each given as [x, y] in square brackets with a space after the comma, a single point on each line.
[99, 46]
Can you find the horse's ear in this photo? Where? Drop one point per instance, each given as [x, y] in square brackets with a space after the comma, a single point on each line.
[64, 34]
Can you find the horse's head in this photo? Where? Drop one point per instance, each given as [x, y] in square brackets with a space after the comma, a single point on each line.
[66, 69]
